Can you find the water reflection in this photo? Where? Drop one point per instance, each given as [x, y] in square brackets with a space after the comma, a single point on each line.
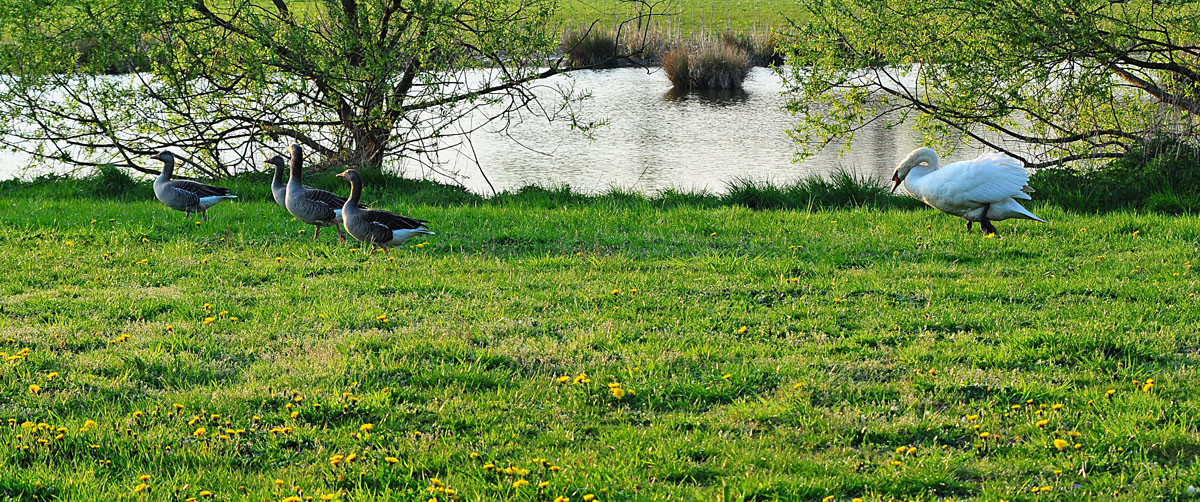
[715, 97]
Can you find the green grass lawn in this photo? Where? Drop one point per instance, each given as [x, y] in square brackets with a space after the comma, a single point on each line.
[612, 350]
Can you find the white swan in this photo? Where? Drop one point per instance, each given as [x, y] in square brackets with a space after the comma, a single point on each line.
[983, 190]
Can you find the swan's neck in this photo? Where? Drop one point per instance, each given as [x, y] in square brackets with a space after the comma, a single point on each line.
[919, 172]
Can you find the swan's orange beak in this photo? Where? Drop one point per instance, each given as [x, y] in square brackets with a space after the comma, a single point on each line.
[895, 182]
[341, 175]
[157, 156]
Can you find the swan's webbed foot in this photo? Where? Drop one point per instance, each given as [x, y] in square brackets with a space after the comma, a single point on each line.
[987, 227]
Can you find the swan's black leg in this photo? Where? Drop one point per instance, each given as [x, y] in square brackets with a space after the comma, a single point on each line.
[986, 225]
[968, 226]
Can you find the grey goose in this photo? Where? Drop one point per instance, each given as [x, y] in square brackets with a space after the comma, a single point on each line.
[318, 208]
[376, 227]
[184, 195]
[279, 185]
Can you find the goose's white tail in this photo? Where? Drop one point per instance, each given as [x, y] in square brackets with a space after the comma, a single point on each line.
[207, 202]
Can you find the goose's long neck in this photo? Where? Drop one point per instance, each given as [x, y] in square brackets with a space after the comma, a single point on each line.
[167, 170]
[278, 181]
[351, 204]
[297, 166]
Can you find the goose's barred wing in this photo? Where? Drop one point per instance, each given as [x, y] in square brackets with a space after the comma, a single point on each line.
[392, 220]
[326, 197]
[200, 189]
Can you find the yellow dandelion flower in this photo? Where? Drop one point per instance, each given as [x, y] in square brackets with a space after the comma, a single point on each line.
[828, 499]
[89, 423]
[489, 466]
[200, 432]
[351, 457]
[209, 320]
[1061, 444]
[563, 379]
[391, 460]
[972, 417]
[51, 375]
[35, 388]
[543, 484]
[138, 413]
[727, 376]
[617, 392]
[205, 493]
[1056, 406]
[366, 427]
[519, 483]
[1042, 423]
[901, 449]
[1148, 387]
[561, 498]
[1110, 393]
[589, 497]
[742, 330]
[140, 488]
[144, 477]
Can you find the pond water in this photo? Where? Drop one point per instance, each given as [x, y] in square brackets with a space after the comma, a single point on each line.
[657, 139]
[654, 139]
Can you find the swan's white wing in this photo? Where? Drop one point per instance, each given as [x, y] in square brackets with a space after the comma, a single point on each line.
[990, 178]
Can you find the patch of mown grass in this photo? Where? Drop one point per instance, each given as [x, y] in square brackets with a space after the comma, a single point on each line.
[762, 354]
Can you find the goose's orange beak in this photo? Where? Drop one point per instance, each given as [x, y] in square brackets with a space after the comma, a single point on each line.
[895, 182]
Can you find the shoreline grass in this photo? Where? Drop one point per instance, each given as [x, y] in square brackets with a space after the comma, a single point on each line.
[760, 354]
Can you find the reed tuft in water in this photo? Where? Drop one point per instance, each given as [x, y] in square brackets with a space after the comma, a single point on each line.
[707, 65]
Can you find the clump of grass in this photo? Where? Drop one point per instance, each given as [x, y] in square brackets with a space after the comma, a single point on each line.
[841, 189]
[762, 49]
[590, 46]
[706, 65]
[111, 182]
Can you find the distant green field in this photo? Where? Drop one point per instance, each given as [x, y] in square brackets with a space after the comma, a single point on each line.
[542, 348]
[689, 16]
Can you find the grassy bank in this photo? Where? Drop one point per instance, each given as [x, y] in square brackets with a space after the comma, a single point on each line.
[708, 351]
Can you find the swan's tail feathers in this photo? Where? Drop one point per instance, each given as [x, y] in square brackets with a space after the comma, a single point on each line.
[1025, 212]
[1027, 189]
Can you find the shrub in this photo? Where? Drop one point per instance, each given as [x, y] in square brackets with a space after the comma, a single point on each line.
[706, 65]
[1162, 176]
